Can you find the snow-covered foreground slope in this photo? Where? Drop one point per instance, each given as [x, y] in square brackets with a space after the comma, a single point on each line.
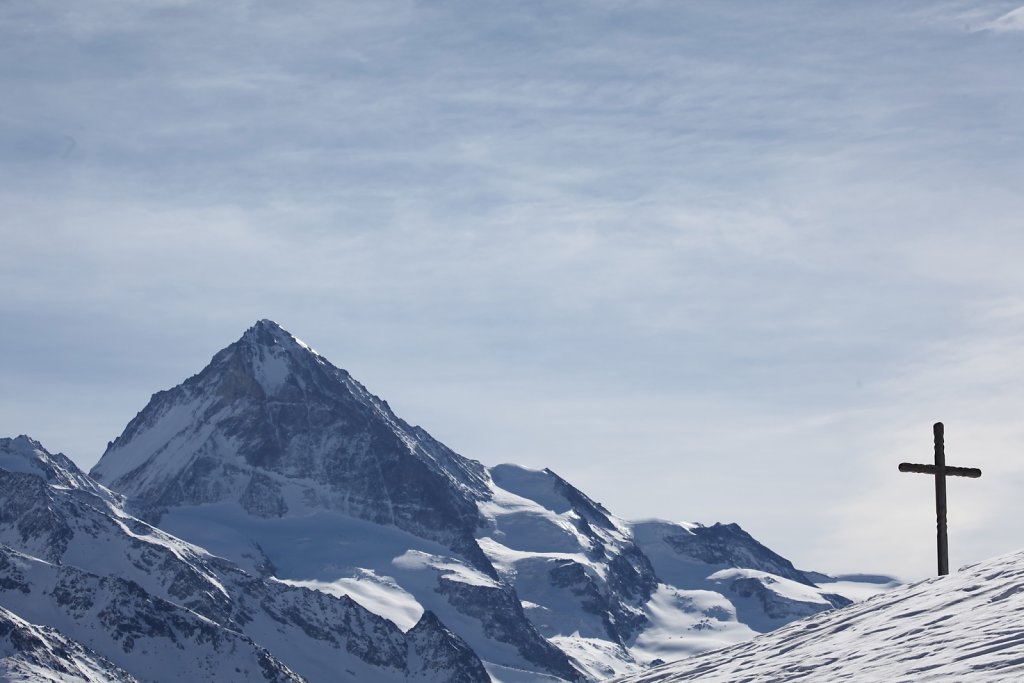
[968, 626]
[279, 461]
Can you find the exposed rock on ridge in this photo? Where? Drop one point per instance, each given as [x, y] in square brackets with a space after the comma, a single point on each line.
[139, 596]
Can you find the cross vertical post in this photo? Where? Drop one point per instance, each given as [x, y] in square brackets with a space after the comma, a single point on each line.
[940, 499]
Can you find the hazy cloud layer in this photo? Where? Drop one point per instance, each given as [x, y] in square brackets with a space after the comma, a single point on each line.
[710, 261]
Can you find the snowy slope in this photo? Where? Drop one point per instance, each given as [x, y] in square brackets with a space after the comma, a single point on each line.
[968, 626]
[140, 633]
[73, 560]
[284, 464]
[617, 596]
[36, 654]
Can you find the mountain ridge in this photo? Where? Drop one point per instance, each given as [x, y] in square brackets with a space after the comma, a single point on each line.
[134, 593]
[271, 444]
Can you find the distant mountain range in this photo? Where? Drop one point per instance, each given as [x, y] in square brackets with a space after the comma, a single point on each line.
[270, 519]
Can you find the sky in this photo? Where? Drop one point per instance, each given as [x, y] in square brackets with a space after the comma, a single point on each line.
[709, 261]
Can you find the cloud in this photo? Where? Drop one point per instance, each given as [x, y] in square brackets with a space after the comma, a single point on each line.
[1011, 22]
[699, 240]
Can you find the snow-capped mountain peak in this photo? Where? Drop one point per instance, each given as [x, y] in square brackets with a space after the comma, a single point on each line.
[269, 414]
[268, 332]
[276, 459]
[25, 454]
[273, 354]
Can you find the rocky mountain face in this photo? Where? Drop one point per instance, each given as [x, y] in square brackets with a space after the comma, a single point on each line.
[30, 654]
[270, 419]
[279, 462]
[135, 598]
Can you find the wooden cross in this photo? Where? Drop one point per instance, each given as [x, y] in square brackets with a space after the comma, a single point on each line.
[941, 470]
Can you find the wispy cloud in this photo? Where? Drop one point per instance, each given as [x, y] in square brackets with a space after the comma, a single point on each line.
[685, 239]
[1012, 21]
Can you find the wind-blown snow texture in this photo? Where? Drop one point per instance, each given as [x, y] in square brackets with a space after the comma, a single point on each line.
[968, 626]
[278, 461]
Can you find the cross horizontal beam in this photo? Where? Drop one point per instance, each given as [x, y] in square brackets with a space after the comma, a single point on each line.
[972, 472]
